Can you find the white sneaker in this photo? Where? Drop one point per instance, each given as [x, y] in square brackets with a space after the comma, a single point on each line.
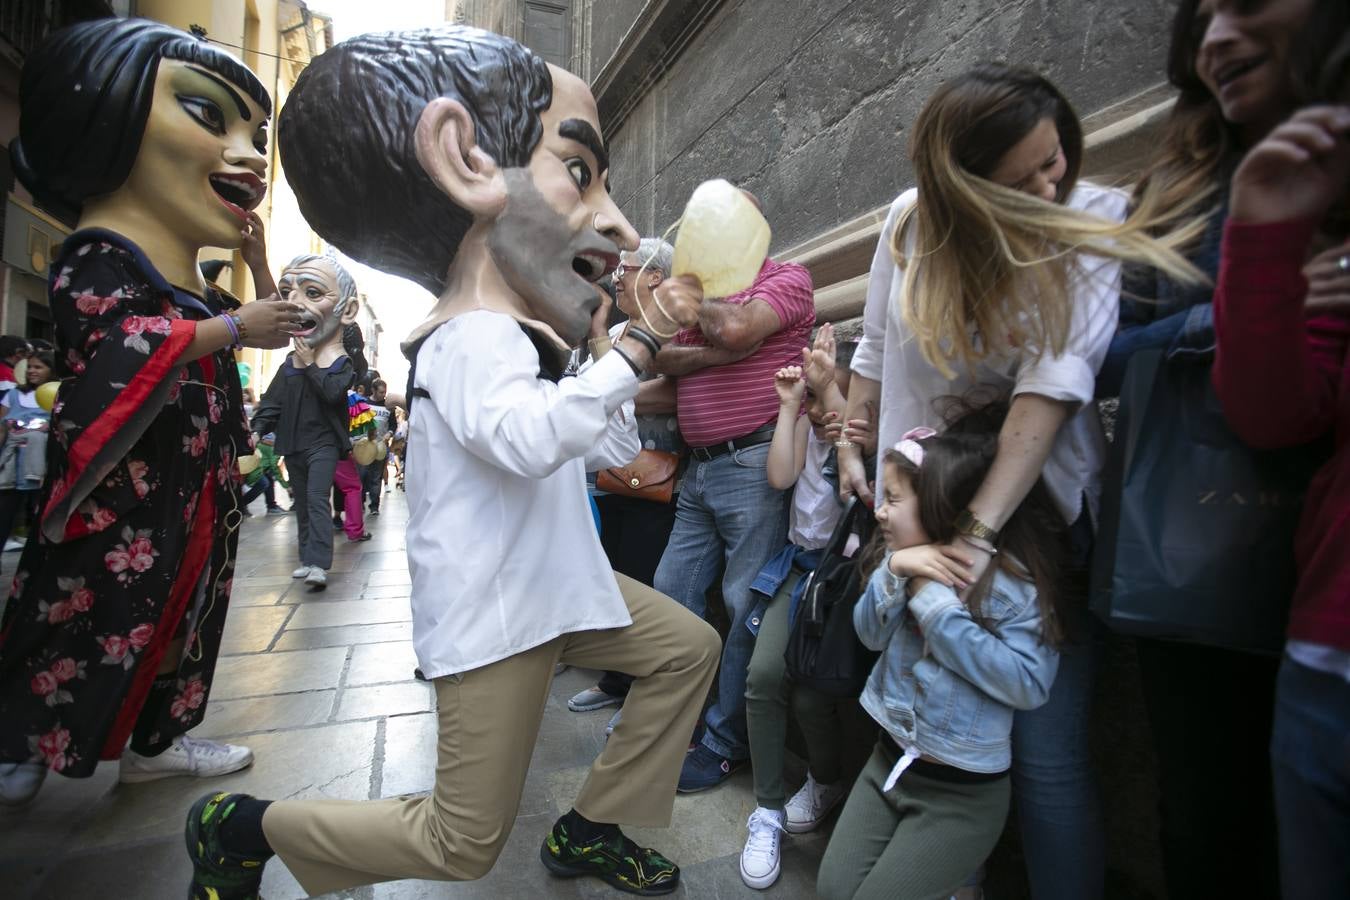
[317, 577]
[185, 756]
[300, 572]
[20, 782]
[809, 806]
[760, 862]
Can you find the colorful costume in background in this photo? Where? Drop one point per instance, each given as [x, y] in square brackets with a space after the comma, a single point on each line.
[136, 544]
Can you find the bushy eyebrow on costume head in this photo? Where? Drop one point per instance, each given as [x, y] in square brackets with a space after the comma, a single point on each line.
[84, 99]
[346, 136]
[346, 285]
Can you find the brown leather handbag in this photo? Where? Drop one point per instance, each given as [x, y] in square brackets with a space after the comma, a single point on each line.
[649, 477]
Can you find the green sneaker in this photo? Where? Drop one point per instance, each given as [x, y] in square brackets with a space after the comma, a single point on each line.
[614, 858]
[218, 874]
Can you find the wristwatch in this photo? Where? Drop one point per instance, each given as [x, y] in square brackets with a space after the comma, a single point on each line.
[966, 523]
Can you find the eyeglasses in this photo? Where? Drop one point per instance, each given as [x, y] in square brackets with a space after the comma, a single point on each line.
[623, 269]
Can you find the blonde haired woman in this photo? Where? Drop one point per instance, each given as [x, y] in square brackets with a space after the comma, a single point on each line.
[1001, 270]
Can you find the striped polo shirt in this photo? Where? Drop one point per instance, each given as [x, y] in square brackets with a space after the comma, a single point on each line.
[720, 403]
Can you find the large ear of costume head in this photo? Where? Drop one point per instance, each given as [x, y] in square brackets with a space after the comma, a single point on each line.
[84, 98]
[348, 139]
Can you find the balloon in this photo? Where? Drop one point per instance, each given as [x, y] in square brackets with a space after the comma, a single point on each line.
[245, 373]
[248, 463]
[381, 450]
[723, 239]
[46, 394]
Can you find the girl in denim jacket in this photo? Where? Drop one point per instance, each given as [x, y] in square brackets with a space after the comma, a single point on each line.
[957, 659]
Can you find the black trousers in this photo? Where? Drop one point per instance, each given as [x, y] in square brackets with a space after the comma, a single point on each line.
[634, 534]
[1210, 711]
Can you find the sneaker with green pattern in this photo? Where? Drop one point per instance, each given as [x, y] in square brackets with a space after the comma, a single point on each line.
[614, 858]
[218, 874]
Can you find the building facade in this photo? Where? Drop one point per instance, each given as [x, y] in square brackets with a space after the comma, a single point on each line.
[808, 103]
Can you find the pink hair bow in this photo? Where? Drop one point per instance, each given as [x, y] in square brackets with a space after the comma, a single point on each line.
[909, 446]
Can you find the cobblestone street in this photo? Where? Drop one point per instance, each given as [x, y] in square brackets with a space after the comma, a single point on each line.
[320, 686]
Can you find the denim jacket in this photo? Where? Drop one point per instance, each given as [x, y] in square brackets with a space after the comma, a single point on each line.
[945, 685]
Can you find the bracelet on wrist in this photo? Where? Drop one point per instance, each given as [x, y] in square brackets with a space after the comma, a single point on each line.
[240, 327]
[232, 329]
[967, 524]
[645, 338]
[983, 546]
[637, 370]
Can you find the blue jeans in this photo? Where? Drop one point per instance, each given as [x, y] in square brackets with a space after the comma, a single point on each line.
[1054, 783]
[1310, 753]
[727, 515]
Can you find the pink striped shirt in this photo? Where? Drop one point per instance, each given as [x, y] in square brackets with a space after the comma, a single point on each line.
[720, 403]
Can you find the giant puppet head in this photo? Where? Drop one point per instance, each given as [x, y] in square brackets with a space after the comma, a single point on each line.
[147, 131]
[327, 294]
[457, 158]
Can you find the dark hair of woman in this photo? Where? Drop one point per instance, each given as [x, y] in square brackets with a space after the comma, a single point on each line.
[382, 83]
[354, 342]
[1198, 146]
[85, 97]
[1031, 544]
[48, 359]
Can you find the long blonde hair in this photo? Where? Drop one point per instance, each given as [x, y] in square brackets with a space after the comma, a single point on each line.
[990, 266]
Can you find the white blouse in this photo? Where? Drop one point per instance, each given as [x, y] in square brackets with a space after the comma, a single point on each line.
[502, 547]
[909, 384]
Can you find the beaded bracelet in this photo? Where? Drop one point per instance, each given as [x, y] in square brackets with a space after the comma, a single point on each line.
[240, 327]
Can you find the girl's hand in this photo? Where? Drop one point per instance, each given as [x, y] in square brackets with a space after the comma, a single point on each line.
[790, 385]
[978, 557]
[254, 250]
[269, 323]
[1297, 171]
[942, 563]
[863, 433]
[1328, 282]
[818, 360]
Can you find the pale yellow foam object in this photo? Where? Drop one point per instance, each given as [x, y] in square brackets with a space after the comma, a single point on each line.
[723, 239]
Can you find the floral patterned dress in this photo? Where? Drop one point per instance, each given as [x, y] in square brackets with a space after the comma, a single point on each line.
[139, 517]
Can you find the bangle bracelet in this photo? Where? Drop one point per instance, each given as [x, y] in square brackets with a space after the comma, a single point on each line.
[973, 542]
[637, 370]
[645, 339]
[230, 327]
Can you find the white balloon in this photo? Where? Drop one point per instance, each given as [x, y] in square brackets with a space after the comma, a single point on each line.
[723, 239]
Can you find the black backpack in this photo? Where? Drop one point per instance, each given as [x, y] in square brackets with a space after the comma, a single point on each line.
[823, 650]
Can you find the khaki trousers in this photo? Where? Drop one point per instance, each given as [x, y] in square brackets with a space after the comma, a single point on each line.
[488, 720]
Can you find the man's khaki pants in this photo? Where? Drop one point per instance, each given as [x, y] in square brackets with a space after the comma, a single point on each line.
[488, 720]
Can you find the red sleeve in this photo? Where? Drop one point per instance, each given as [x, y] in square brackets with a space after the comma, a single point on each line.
[1276, 373]
[790, 293]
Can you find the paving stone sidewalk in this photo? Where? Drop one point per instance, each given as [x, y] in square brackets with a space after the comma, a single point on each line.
[320, 685]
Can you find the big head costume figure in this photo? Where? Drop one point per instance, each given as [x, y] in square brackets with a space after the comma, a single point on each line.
[327, 294]
[172, 139]
[476, 169]
[156, 141]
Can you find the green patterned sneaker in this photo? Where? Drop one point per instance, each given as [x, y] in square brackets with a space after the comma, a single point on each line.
[218, 874]
[613, 858]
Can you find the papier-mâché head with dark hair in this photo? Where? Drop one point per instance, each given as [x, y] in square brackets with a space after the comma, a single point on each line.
[85, 98]
[415, 152]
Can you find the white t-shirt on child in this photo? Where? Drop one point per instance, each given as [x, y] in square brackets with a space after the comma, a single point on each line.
[815, 502]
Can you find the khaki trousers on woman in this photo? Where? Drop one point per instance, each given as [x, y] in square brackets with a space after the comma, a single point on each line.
[488, 720]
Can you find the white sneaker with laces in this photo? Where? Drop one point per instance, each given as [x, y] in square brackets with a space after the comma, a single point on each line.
[317, 577]
[20, 782]
[811, 805]
[300, 572]
[185, 756]
[760, 860]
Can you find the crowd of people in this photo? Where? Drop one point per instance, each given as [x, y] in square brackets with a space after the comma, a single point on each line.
[952, 459]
